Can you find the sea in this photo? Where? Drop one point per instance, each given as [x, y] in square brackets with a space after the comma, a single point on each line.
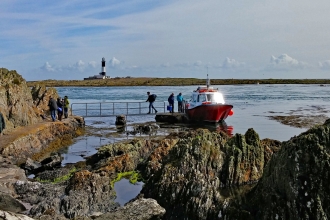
[253, 106]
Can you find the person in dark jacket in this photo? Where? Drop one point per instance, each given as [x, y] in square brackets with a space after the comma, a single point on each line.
[59, 108]
[171, 102]
[52, 107]
[151, 99]
[2, 123]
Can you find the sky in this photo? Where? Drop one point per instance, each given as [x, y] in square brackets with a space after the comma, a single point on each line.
[66, 40]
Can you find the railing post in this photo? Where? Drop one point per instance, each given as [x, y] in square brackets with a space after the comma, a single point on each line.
[86, 109]
[126, 108]
[100, 108]
[113, 108]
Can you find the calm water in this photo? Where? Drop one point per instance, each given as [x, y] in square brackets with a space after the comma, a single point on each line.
[252, 103]
[252, 106]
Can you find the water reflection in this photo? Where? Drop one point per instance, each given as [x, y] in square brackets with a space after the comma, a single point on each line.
[126, 191]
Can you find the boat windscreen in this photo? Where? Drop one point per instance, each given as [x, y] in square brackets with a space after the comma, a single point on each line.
[215, 98]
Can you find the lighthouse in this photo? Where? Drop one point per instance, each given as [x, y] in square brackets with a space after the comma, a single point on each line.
[103, 73]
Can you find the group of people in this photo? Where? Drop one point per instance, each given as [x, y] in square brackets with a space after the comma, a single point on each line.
[59, 106]
[152, 97]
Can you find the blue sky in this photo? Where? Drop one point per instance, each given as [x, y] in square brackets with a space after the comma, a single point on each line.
[187, 38]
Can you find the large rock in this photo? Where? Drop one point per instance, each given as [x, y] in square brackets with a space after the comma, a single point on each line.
[295, 184]
[16, 102]
[13, 216]
[190, 178]
[38, 140]
[141, 209]
[19, 104]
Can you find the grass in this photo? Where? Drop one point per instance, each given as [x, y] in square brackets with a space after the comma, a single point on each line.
[148, 81]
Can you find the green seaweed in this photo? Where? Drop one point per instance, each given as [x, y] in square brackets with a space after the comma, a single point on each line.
[59, 179]
[132, 176]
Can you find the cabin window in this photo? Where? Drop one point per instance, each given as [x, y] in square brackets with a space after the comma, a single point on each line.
[210, 98]
[194, 98]
[202, 98]
[216, 98]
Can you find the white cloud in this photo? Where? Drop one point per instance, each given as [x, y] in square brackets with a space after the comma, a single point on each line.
[78, 66]
[198, 63]
[232, 64]
[92, 64]
[325, 65]
[285, 62]
[60, 32]
[114, 62]
[47, 67]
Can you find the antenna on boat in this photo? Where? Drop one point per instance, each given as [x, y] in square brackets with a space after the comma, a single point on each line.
[208, 81]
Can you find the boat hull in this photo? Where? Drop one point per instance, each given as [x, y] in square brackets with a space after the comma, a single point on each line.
[209, 113]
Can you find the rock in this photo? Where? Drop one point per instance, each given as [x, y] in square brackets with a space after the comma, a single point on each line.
[144, 129]
[13, 216]
[54, 175]
[31, 166]
[52, 161]
[8, 203]
[34, 141]
[172, 117]
[16, 100]
[120, 120]
[295, 181]
[40, 95]
[9, 177]
[141, 209]
[187, 178]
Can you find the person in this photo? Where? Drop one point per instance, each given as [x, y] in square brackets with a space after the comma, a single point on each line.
[59, 108]
[52, 107]
[151, 99]
[179, 98]
[66, 104]
[171, 102]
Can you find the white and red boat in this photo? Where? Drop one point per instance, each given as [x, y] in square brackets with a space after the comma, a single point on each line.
[207, 104]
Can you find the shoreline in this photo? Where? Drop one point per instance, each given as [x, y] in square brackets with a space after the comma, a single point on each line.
[144, 81]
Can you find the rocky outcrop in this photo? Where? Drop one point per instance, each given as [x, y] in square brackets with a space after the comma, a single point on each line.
[172, 118]
[35, 140]
[20, 105]
[13, 216]
[16, 103]
[40, 95]
[89, 190]
[187, 178]
[140, 209]
[295, 184]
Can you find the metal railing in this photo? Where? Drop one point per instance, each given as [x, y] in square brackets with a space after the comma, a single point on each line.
[104, 109]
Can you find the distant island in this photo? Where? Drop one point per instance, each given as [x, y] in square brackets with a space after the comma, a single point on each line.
[149, 81]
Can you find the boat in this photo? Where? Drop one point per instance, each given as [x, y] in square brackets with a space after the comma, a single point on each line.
[207, 104]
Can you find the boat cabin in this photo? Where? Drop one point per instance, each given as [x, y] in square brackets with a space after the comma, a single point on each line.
[207, 96]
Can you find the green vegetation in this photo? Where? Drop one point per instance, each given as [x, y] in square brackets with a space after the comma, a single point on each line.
[133, 177]
[16, 81]
[59, 179]
[144, 81]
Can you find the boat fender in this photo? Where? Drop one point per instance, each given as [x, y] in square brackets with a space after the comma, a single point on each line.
[231, 112]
